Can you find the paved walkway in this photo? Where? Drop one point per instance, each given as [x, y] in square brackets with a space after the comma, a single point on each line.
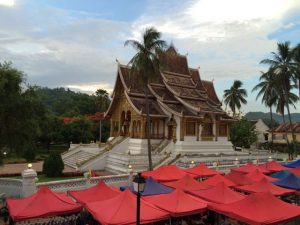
[19, 167]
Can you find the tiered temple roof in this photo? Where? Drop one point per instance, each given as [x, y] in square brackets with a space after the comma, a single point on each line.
[177, 89]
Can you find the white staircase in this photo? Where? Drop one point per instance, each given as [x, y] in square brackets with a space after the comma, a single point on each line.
[78, 157]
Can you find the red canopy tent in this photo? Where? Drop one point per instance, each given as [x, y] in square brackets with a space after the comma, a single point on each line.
[256, 176]
[98, 192]
[177, 203]
[295, 170]
[249, 167]
[238, 178]
[221, 194]
[165, 173]
[187, 183]
[273, 167]
[258, 209]
[44, 203]
[265, 186]
[121, 210]
[215, 180]
[202, 170]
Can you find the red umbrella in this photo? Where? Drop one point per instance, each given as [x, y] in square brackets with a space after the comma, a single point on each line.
[238, 178]
[273, 166]
[177, 203]
[221, 194]
[187, 183]
[259, 209]
[121, 210]
[249, 167]
[202, 170]
[215, 180]
[256, 176]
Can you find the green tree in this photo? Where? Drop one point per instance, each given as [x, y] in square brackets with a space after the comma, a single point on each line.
[146, 63]
[267, 90]
[102, 100]
[296, 58]
[243, 133]
[53, 165]
[20, 111]
[79, 130]
[235, 96]
[284, 68]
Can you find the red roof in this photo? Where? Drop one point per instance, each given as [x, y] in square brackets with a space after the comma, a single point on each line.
[165, 173]
[99, 192]
[202, 170]
[238, 178]
[177, 203]
[187, 183]
[44, 203]
[256, 176]
[249, 167]
[221, 194]
[259, 209]
[121, 210]
[265, 186]
[273, 166]
[215, 180]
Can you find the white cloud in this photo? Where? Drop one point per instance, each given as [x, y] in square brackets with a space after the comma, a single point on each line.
[91, 88]
[9, 3]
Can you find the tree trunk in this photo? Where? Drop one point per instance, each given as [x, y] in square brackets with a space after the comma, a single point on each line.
[148, 128]
[272, 131]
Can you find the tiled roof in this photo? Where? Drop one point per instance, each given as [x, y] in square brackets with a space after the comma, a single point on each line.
[286, 127]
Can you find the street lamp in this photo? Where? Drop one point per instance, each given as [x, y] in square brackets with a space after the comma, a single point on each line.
[138, 186]
[29, 166]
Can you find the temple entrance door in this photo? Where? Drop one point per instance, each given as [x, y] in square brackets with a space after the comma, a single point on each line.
[170, 132]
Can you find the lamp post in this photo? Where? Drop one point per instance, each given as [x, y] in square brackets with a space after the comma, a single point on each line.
[138, 186]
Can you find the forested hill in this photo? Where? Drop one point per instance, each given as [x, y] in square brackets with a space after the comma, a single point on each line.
[277, 117]
[64, 102]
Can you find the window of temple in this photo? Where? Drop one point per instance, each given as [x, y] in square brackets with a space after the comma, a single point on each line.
[190, 128]
[223, 130]
[207, 129]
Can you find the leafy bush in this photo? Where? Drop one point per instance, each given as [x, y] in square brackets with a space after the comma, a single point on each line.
[29, 154]
[53, 165]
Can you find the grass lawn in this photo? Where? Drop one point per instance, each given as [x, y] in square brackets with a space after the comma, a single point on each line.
[43, 178]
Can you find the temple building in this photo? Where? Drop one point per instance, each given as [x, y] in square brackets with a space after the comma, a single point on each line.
[184, 109]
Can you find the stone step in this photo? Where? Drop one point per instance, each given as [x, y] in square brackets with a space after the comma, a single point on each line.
[80, 156]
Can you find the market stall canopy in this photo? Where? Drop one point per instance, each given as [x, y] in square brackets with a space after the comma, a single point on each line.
[215, 180]
[44, 203]
[187, 183]
[265, 186]
[153, 188]
[295, 170]
[258, 209]
[165, 173]
[177, 203]
[273, 166]
[291, 181]
[293, 164]
[256, 176]
[239, 178]
[202, 170]
[281, 174]
[121, 210]
[249, 167]
[98, 192]
[220, 194]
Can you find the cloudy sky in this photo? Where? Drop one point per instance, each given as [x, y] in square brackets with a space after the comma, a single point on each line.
[75, 43]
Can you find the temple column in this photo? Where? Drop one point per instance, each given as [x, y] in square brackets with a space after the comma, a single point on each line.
[200, 131]
[111, 128]
[217, 130]
[143, 127]
[197, 130]
[164, 128]
[214, 129]
[182, 128]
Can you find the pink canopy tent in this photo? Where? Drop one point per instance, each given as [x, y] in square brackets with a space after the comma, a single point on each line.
[177, 203]
[238, 178]
[98, 192]
[165, 173]
[44, 203]
[215, 180]
[187, 183]
[220, 194]
[256, 176]
[121, 210]
[202, 170]
[258, 209]
[273, 167]
[265, 186]
[249, 167]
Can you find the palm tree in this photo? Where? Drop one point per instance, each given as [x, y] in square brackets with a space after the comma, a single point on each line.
[235, 96]
[284, 68]
[268, 91]
[146, 63]
[296, 57]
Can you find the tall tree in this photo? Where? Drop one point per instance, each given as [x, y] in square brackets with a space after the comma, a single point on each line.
[102, 100]
[296, 57]
[235, 96]
[284, 67]
[267, 90]
[146, 63]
